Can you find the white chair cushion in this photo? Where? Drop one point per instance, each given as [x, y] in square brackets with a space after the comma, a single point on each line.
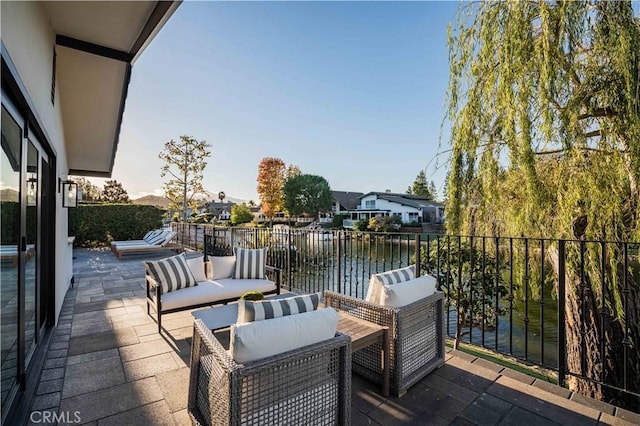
[223, 266]
[197, 268]
[249, 310]
[405, 293]
[387, 278]
[213, 291]
[261, 339]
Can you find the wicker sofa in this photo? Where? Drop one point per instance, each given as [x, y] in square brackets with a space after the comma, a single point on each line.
[208, 292]
[417, 333]
[306, 386]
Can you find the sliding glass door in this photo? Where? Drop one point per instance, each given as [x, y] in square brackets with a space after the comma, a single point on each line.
[10, 165]
[25, 206]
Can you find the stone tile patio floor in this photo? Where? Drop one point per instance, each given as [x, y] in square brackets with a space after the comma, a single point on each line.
[107, 365]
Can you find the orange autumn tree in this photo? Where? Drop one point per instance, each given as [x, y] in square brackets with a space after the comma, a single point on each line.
[271, 177]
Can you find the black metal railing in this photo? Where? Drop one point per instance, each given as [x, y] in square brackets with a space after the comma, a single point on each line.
[570, 306]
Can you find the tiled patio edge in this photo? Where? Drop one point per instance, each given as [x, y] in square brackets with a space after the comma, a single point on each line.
[51, 382]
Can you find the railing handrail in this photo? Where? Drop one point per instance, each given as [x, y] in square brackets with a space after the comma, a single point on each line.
[343, 260]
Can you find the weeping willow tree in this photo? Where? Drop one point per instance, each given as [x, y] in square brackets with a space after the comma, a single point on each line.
[544, 106]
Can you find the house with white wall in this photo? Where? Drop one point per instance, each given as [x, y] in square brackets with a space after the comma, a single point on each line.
[66, 68]
[409, 208]
[343, 201]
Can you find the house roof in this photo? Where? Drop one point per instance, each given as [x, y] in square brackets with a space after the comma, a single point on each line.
[97, 43]
[218, 208]
[348, 200]
[410, 200]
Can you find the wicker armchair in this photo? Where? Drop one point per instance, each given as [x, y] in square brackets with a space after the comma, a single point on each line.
[306, 386]
[416, 332]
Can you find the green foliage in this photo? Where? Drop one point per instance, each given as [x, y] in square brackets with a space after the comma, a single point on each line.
[422, 188]
[463, 283]
[113, 192]
[361, 225]
[545, 134]
[252, 295]
[240, 213]
[102, 223]
[307, 194]
[202, 218]
[90, 192]
[9, 219]
[543, 101]
[184, 163]
[336, 222]
[411, 224]
[384, 224]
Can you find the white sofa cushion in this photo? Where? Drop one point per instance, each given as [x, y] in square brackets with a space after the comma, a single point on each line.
[223, 266]
[172, 273]
[250, 263]
[261, 339]
[387, 278]
[249, 310]
[212, 291]
[407, 292]
[197, 268]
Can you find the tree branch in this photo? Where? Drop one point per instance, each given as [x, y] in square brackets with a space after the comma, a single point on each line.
[584, 148]
[592, 134]
[598, 112]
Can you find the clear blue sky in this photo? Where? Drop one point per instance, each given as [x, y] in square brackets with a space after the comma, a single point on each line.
[353, 92]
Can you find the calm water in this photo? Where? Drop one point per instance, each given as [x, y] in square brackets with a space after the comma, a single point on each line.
[315, 265]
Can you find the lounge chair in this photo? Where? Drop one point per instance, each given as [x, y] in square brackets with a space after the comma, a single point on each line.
[149, 238]
[10, 252]
[160, 244]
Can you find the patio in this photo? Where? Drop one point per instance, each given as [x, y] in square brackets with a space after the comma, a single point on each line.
[107, 365]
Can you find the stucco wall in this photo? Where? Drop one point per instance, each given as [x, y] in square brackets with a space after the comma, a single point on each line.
[29, 40]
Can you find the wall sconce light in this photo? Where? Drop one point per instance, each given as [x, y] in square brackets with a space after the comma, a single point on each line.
[32, 183]
[69, 190]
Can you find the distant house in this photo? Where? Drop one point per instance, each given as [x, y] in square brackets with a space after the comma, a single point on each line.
[410, 208]
[257, 213]
[221, 211]
[343, 201]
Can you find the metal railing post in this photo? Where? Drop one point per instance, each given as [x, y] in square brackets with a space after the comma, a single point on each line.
[289, 258]
[418, 257]
[562, 336]
[338, 256]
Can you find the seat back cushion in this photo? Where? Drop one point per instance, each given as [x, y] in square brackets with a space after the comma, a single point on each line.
[168, 237]
[172, 273]
[261, 339]
[223, 266]
[266, 309]
[250, 263]
[387, 278]
[158, 238]
[197, 268]
[407, 292]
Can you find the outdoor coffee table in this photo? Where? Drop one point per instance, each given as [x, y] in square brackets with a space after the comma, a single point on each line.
[363, 334]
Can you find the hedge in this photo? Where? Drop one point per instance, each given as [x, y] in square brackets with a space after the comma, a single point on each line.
[99, 224]
[10, 214]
